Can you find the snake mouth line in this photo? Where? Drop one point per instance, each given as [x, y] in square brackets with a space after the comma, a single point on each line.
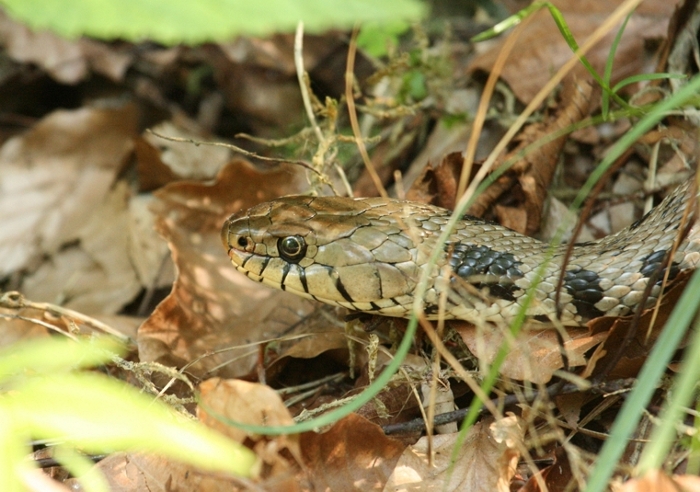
[392, 307]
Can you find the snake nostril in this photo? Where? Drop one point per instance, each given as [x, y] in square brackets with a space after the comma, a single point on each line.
[245, 243]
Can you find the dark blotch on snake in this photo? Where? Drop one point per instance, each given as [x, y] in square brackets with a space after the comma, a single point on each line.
[484, 267]
[657, 260]
[285, 272]
[341, 288]
[302, 279]
[584, 288]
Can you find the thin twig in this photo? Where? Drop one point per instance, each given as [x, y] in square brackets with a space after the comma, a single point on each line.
[15, 300]
[302, 77]
[235, 148]
[352, 113]
[459, 415]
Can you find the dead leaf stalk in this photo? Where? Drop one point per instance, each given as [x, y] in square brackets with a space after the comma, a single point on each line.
[14, 300]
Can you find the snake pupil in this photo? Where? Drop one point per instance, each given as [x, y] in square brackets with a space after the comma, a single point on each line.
[291, 248]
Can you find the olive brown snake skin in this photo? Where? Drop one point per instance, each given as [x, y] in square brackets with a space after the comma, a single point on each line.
[368, 254]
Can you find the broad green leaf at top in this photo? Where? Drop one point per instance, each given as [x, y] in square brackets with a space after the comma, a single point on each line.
[188, 22]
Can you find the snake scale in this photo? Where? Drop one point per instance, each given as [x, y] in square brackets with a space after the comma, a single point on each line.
[368, 254]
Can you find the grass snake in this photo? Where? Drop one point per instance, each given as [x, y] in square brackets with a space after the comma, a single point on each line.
[367, 255]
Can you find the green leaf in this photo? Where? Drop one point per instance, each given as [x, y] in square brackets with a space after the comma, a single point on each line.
[101, 415]
[185, 21]
[376, 38]
[51, 355]
[14, 446]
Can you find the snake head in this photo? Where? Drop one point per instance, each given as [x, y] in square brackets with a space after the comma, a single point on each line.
[353, 253]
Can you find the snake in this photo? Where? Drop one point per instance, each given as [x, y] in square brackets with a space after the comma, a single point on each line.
[368, 255]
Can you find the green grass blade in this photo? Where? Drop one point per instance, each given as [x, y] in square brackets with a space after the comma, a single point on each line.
[662, 437]
[642, 77]
[508, 23]
[607, 74]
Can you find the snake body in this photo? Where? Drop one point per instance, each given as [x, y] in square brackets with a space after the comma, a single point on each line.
[368, 255]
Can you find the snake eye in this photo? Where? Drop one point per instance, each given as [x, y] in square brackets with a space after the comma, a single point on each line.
[291, 248]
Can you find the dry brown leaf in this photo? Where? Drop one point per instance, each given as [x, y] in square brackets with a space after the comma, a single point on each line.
[13, 330]
[397, 402]
[557, 476]
[570, 406]
[67, 61]
[486, 460]
[541, 50]
[128, 472]
[253, 404]
[246, 403]
[212, 306]
[267, 100]
[659, 481]
[535, 354]
[354, 454]
[333, 345]
[524, 186]
[97, 275]
[390, 155]
[186, 159]
[153, 172]
[54, 176]
[447, 138]
[437, 185]
[557, 215]
[533, 172]
[277, 51]
[148, 253]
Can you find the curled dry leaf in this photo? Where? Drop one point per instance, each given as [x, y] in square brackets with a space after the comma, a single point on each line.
[535, 354]
[483, 462]
[54, 176]
[212, 306]
[353, 451]
[223, 401]
[437, 184]
[541, 49]
[331, 345]
[152, 171]
[659, 481]
[126, 472]
[397, 402]
[557, 476]
[533, 171]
